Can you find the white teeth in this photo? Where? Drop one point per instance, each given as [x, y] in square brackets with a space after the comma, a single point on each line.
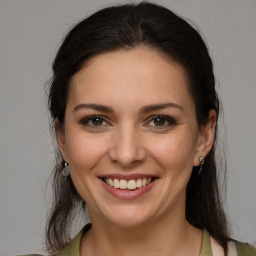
[130, 184]
[139, 183]
[123, 184]
[149, 180]
[111, 182]
[116, 183]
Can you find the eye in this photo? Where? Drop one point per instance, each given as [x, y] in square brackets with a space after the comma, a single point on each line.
[94, 121]
[162, 121]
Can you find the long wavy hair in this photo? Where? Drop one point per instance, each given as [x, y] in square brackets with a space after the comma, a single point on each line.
[126, 27]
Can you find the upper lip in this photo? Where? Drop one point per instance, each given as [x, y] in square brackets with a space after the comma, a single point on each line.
[134, 176]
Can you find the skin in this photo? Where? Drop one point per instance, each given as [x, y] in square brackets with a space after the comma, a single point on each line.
[130, 140]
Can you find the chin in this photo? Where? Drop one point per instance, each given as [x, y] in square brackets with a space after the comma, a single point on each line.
[128, 217]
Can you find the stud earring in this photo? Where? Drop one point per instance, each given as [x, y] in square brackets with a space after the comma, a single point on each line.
[201, 160]
[66, 171]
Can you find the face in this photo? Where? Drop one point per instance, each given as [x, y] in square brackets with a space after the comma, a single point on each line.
[131, 137]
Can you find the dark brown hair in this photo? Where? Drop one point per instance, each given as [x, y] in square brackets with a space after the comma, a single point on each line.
[126, 27]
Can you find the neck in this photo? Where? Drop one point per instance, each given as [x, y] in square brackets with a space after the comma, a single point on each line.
[161, 237]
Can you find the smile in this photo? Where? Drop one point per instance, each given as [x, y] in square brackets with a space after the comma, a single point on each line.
[128, 184]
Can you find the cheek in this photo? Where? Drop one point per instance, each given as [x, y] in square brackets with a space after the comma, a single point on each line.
[84, 152]
[175, 152]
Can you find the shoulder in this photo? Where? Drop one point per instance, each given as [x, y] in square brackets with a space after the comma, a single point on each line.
[235, 248]
[244, 249]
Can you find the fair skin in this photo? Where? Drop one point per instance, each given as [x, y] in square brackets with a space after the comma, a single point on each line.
[129, 117]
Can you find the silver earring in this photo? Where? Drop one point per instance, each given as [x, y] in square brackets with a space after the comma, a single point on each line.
[66, 171]
[201, 160]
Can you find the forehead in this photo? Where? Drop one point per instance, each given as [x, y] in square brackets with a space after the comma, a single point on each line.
[140, 74]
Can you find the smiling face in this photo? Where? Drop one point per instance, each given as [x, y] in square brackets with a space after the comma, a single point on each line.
[131, 137]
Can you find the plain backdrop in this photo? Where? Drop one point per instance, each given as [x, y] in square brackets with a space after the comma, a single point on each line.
[30, 34]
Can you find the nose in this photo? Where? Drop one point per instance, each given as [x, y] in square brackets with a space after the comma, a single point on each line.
[127, 148]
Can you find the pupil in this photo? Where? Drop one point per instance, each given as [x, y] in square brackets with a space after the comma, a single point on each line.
[97, 121]
[159, 121]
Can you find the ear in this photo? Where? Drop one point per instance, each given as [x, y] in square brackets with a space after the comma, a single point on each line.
[60, 135]
[206, 137]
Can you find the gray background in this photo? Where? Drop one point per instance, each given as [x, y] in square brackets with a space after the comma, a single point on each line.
[30, 33]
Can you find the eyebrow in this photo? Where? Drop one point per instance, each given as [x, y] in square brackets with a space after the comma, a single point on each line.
[144, 110]
[155, 107]
[98, 107]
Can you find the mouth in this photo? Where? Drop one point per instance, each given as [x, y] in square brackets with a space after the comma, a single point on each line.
[131, 184]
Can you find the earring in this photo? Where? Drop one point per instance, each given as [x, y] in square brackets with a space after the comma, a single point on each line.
[201, 160]
[66, 171]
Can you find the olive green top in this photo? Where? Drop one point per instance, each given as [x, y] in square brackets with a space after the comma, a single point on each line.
[243, 249]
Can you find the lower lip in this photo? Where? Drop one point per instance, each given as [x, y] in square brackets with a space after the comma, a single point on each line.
[128, 194]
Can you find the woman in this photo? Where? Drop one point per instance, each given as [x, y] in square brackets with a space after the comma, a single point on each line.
[135, 112]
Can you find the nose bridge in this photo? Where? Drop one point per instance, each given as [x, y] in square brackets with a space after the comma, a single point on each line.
[127, 148]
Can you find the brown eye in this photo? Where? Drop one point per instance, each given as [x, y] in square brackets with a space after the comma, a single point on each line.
[162, 122]
[97, 121]
[93, 121]
[159, 121]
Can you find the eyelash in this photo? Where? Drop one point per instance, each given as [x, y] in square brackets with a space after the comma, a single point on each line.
[167, 119]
